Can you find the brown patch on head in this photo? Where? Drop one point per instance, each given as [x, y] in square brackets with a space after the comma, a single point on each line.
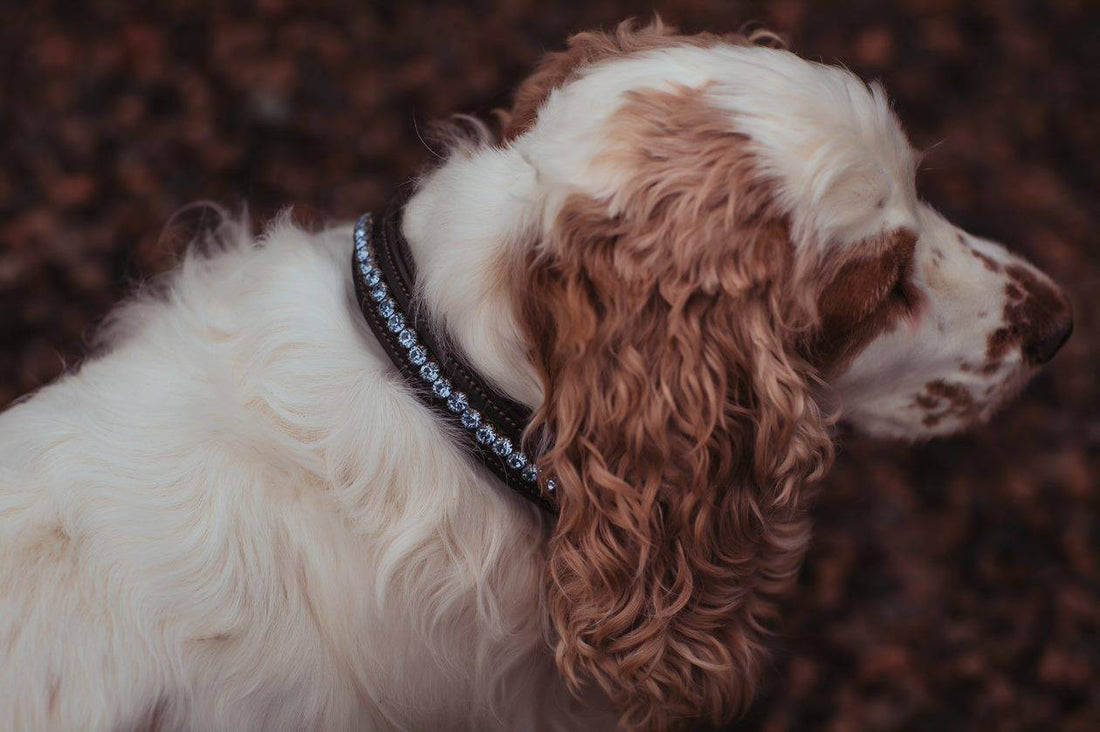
[866, 298]
[681, 423]
[592, 47]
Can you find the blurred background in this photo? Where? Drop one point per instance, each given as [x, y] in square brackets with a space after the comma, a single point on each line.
[955, 585]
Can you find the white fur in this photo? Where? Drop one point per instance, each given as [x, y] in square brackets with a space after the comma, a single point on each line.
[240, 512]
[237, 517]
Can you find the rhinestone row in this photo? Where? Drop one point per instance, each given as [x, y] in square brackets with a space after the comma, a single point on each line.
[457, 402]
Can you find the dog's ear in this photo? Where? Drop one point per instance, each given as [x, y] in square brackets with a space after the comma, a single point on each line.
[680, 424]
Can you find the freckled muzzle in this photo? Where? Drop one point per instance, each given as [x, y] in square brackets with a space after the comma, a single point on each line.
[1037, 317]
[1042, 314]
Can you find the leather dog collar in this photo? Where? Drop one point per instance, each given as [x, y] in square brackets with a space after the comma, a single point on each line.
[491, 424]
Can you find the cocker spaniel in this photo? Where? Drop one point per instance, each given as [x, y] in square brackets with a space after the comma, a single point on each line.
[688, 256]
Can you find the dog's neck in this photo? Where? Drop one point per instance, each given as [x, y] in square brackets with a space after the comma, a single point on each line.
[463, 226]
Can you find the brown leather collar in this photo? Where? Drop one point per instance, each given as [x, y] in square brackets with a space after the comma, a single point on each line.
[491, 424]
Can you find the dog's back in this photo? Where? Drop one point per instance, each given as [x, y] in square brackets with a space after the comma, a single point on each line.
[205, 526]
[144, 506]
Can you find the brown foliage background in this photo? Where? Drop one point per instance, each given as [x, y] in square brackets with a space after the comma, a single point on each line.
[951, 586]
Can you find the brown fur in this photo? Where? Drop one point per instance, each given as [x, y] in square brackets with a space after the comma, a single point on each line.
[1032, 308]
[942, 399]
[683, 430]
[868, 296]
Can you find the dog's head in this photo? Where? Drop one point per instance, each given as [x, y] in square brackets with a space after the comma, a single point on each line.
[723, 248]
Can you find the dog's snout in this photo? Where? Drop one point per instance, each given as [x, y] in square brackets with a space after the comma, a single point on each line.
[1038, 311]
[1049, 340]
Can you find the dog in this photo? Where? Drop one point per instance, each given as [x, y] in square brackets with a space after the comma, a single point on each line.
[689, 256]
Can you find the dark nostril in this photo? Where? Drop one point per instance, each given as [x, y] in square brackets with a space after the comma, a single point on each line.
[1043, 349]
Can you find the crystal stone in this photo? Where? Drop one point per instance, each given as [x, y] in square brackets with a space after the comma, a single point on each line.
[396, 322]
[457, 402]
[485, 434]
[442, 388]
[418, 356]
[407, 338]
[517, 460]
[429, 371]
[372, 276]
[378, 292]
[387, 308]
[503, 447]
[471, 418]
[530, 473]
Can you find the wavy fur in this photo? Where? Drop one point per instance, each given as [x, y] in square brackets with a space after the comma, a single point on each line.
[687, 251]
[684, 429]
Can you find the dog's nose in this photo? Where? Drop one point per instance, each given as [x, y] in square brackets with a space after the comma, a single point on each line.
[1041, 349]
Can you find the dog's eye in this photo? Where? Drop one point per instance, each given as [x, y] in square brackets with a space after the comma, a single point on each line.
[899, 291]
[904, 293]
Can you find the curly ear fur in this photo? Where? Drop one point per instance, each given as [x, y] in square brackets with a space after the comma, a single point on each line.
[683, 430]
